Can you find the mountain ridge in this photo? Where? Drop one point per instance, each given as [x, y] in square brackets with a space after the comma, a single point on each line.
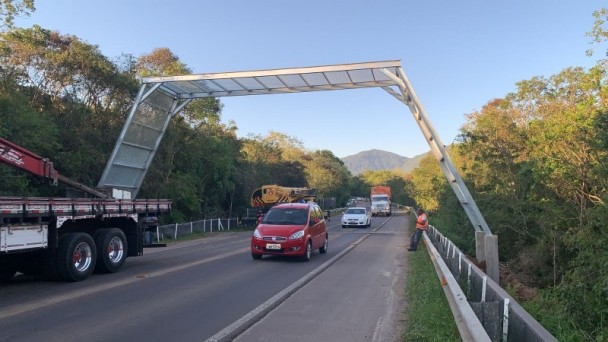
[380, 160]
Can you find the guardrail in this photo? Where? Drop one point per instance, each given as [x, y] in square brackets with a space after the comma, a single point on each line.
[469, 326]
[502, 318]
[175, 230]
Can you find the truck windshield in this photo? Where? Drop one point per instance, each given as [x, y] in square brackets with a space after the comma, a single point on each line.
[380, 198]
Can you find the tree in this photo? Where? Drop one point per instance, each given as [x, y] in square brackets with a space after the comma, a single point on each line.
[494, 159]
[535, 162]
[358, 187]
[328, 174]
[160, 62]
[583, 288]
[22, 124]
[78, 88]
[64, 67]
[292, 148]
[598, 33]
[428, 183]
[9, 9]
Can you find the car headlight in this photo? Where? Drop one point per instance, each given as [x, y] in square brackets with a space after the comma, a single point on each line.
[257, 234]
[297, 235]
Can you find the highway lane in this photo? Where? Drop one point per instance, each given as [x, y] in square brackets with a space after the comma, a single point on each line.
[359, 298]
[188, 291]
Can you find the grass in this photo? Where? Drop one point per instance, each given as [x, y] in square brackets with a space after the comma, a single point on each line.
[193, 236]
[428, 314]
[551, 314]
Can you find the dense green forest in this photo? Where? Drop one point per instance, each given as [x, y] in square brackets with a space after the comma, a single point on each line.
[534, 160]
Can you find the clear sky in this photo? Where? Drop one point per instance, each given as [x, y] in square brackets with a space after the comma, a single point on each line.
[458, 55]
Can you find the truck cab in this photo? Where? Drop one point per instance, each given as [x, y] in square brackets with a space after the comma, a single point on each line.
[381, 200]
[381, 205]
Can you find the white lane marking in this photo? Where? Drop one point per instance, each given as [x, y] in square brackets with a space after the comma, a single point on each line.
[235, 329]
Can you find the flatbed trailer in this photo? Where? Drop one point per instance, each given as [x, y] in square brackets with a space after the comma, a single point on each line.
[68, 238]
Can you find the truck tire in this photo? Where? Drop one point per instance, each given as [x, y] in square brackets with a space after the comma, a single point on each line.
[76, 257]
[111, 250]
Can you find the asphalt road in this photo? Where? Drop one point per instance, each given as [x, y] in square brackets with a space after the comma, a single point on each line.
[195, 290]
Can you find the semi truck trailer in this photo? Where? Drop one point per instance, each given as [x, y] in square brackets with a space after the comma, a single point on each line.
[68, 238]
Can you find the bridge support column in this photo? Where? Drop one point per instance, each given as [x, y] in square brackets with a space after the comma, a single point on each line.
[486, 249]
[491, 244]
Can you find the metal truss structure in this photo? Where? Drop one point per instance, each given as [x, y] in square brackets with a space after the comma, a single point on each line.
[161, 98]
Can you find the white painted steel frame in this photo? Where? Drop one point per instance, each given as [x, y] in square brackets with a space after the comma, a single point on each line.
[388, 75]
[409, 98]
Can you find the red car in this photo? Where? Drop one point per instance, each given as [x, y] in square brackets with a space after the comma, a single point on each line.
[294, 229]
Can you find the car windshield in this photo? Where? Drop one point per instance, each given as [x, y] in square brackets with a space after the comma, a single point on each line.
[355, 211]
[286, 216]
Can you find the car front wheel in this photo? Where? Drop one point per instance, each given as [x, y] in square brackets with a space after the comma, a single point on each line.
[308, 252]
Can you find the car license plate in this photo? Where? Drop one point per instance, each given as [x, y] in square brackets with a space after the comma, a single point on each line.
[273, 246]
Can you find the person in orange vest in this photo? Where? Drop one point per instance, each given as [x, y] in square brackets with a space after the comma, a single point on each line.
[422, 223]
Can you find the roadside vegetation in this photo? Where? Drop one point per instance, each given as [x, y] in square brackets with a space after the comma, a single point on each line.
[535, 162]
[428, 316]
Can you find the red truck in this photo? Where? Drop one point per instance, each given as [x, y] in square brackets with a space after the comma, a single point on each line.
[380, 196]
[68, 238]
